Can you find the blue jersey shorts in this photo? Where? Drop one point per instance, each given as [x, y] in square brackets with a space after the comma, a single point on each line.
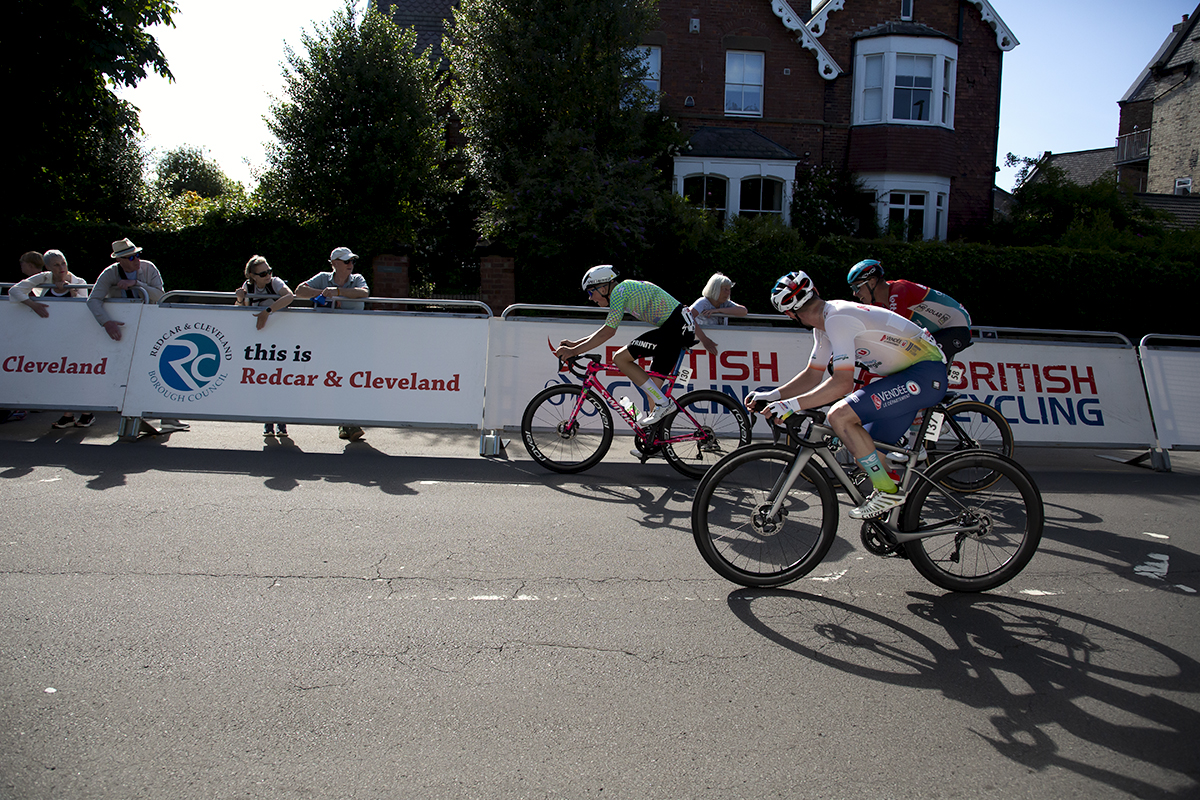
[888, 406]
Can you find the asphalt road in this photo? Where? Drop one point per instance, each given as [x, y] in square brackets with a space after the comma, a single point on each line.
[208, 616]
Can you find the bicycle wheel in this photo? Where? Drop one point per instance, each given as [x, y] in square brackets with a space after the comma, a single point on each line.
[735, 535]
[971, 425]
[560, 440]
[723, 427]
[1009, 513]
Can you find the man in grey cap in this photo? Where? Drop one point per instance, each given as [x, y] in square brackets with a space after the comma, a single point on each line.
[125, 278]
[341, 287]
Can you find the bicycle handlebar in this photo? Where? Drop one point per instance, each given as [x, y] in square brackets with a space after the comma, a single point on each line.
[573, 365]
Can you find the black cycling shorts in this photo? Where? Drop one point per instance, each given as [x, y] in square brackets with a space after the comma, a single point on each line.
[664, 343]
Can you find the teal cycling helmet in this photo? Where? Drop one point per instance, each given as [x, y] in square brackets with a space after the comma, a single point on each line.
[867, 268]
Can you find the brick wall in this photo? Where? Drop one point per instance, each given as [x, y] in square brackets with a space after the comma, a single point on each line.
[497, 282]
[1175, 137]
[811, 116]
[390, 276]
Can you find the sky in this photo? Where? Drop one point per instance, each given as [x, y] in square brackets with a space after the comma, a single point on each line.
[1059, 89]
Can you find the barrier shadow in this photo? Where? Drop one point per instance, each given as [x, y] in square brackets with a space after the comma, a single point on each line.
[282, 466]
[1066, 664]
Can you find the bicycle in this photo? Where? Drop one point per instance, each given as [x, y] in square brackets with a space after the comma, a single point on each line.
[568, 428]
[767, 514]
[963, 425]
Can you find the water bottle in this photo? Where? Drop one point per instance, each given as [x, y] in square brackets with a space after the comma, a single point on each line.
[321, 301]
[627, 404]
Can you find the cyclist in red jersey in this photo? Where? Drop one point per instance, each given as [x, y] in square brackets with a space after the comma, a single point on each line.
[935, 311]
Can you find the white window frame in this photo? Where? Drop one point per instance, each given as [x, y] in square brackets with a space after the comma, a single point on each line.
[734, 171]
[1183, 186]
[906, 10]
[875, 69]
[764, 180]
[935, 188]
[733, 69]
[720, 211]
[651, 55]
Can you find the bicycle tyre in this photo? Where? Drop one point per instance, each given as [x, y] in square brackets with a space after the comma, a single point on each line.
[1012, 506]
[725, 425]
[738, 543]
[971, 425]
[558, 442]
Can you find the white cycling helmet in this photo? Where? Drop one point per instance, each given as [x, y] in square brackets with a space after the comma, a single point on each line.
[598, 275]
[792, 291]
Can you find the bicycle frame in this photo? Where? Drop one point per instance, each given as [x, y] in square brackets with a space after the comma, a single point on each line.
[591, 383]
[816, 445]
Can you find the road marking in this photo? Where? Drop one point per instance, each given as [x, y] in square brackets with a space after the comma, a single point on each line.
[1037, 593]
[1155, 535]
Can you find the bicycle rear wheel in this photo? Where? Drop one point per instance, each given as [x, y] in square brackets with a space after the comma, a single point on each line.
[971, 425]
[732, 528]
[560, 440]
[1009, 514]
[723, 427]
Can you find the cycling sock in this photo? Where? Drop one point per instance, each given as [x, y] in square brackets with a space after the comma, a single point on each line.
[653, 392]
[878, 473]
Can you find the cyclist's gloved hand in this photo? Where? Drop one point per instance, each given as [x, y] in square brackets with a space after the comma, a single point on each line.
[782, 409]
[755, 398]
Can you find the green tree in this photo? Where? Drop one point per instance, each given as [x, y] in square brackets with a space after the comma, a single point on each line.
[78, 150]
[359, 135]
[559, 126]
[187, 169]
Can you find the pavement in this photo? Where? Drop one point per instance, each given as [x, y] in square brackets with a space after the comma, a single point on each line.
[208, 614]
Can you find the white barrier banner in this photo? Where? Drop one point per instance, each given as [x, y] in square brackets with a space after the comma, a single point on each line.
[372, 368]
[1060, 393]
[1173, 383]
[522, 363]
[65, 360]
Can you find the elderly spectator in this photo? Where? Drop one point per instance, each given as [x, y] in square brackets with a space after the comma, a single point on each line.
[125, 278]
[122, 279]
[714, 307]
[260, 288]
[343, 288]
[57, 280]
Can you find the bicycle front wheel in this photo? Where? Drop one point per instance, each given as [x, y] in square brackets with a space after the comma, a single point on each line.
[715, 425]
[736, 532]
[971, 425]
[1007, 519]
[560, 439]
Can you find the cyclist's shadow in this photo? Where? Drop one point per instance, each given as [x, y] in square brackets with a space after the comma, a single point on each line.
[1070, 662]
[662, 494]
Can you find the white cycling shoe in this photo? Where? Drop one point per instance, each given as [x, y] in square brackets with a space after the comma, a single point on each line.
[656, 416]
[878, 503]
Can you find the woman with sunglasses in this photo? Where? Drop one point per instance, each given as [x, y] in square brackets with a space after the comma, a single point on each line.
[261, 285]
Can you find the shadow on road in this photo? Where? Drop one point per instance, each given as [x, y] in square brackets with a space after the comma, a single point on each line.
[1078, 675]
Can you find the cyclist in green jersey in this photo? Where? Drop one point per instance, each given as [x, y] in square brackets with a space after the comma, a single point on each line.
[648, 303]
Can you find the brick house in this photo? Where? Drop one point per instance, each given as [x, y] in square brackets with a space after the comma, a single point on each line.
[1159, 133]
[904, 93]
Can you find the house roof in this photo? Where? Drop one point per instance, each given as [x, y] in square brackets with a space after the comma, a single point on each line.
[1081, 166]
[1184, 208]
[1179, 49]
[427, 17]
[736, 143]
[893, 28]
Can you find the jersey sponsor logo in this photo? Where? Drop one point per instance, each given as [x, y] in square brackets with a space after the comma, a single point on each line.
[862, 353]
[890, 396]
[913, 388]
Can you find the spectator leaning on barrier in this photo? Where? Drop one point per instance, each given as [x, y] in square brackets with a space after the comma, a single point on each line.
[59, 282]
[714, 307]
[341, 287]
[123, 279]
[261, 285]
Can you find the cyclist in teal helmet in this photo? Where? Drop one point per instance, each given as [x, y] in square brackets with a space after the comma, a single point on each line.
[937, 312]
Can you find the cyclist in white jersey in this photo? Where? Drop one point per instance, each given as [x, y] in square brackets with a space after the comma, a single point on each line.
[883, 342]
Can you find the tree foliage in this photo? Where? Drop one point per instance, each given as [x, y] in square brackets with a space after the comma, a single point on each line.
[559, 126]
[359, 133]
[831, 202]
[188, 169]
[79, 151]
